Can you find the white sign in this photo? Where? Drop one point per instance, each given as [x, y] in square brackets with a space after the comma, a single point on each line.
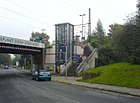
[9, 40]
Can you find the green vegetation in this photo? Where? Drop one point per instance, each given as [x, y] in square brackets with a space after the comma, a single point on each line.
[42, 37]
[48, 46]
[121, 43]
[5, 59]
[120, 74]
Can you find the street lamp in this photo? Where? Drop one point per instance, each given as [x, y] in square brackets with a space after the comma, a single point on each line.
[77, 36]
[82, 23]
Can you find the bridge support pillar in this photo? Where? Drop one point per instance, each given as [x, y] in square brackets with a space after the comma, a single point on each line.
[38, 60]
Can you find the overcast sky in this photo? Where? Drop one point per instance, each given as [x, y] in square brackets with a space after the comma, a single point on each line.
[18, 18]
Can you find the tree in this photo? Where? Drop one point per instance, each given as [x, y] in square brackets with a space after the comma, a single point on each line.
[40, 37]
[132, 34]
[97, 38]
[114, 36]
[101, 41]
[5, 59]
[23, 60]
[99, 31]
[135, 55]
[126, 41]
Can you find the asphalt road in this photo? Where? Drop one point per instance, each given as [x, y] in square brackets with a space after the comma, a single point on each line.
[16, 87]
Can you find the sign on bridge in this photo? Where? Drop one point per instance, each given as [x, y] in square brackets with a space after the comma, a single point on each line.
[9, 40]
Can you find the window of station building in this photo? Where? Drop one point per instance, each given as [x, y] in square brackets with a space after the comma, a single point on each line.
[62, 56]
[71, 32]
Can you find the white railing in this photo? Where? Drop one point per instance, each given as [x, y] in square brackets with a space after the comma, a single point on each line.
[68, 63]
[91, 47]
[83, 64]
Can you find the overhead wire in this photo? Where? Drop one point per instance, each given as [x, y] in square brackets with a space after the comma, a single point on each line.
[22, 15]
[19, 21]
[27, 9]
[31, 18]
[16, 4]
[11, 19]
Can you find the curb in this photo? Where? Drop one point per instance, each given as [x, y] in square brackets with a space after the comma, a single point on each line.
[126, 93]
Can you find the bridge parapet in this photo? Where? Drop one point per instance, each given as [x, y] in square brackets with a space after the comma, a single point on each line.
[15, 41]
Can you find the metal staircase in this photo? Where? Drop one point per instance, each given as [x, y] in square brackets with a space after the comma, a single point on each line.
[75, 68]
[90, 61]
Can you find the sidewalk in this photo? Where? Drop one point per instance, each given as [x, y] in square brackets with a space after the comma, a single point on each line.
[72, 80]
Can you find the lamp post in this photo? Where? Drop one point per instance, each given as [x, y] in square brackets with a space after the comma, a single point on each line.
[77, 36]
[44, 50]
[66, 63]
[82, 23]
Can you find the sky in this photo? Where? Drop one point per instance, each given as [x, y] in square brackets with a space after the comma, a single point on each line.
[19, 18]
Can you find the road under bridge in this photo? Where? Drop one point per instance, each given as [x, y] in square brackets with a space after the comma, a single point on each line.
[20, 46]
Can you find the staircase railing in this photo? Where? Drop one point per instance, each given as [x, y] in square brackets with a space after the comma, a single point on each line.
[83, 64]
[69, 63]
[91, 47]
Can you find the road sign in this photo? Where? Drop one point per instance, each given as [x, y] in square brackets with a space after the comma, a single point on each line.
[37, 38]
[62, 62]
[84, 57]
[62, 48]
[75, 57]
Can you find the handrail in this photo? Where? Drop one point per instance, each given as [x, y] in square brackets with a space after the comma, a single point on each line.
[92, 54]
[82, 64]
[91, 47]
[67, 62]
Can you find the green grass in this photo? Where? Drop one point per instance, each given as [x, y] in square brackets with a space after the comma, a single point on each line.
[120, 74]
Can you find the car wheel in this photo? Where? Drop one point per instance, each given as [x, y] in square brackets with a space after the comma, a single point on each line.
[37, 78]
[49, 79]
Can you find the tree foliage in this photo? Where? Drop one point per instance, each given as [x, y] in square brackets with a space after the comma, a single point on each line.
[23, 60]
[122, 43]
[40, 37]
[5, 59]
[125, 41]
[99, 40]
[114, 37]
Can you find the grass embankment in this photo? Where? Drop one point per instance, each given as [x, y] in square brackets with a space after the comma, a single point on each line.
[120, 74]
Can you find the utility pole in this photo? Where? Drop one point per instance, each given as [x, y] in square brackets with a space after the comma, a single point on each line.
[89, 24]
[82, 25]
[66, 63]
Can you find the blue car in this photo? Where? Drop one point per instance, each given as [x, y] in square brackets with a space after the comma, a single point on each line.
[41, 75]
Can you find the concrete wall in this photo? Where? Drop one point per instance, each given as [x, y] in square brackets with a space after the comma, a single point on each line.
[50, 55]
[50, 59]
